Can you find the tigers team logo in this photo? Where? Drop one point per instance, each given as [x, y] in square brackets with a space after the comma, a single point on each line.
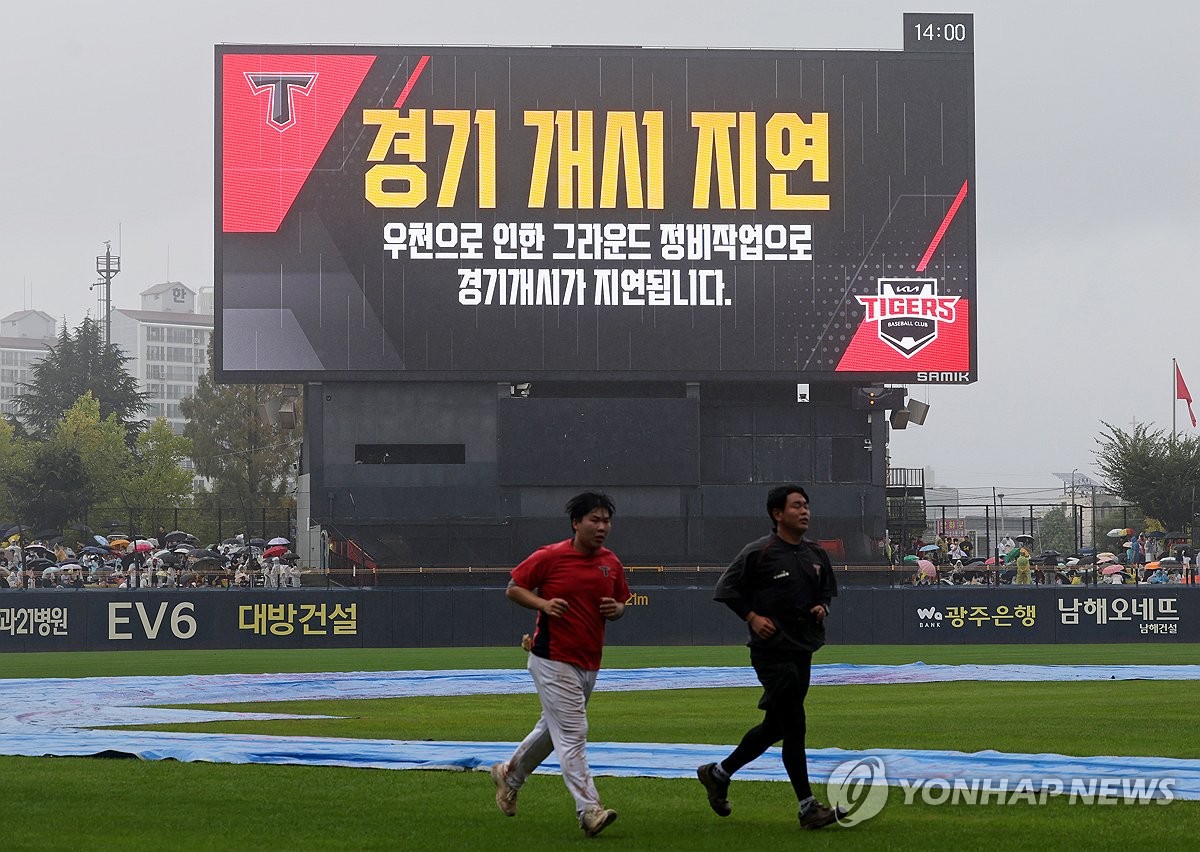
[908, 312]
[281, 91]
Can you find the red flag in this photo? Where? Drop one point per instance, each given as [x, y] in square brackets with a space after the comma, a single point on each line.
[1182, 392]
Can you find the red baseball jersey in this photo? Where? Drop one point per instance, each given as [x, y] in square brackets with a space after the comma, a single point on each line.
[560, 571]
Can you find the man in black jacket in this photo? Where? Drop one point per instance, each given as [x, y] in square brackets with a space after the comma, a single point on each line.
[781, 586]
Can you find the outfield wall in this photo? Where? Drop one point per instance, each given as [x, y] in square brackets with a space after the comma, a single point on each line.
[102, 620]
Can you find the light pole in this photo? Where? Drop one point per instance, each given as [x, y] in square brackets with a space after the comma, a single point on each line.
[107, 265]
[1076, 515]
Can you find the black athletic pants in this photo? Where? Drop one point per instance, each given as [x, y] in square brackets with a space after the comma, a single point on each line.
[785, 676]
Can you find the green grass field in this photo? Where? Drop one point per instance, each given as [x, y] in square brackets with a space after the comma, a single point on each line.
[72, 803]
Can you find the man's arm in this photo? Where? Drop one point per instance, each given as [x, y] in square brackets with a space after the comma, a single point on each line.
[611, 608]
[554, 607]
[820, 609]
[729, 591]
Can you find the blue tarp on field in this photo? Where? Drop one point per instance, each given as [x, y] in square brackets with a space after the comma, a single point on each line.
[53, 717]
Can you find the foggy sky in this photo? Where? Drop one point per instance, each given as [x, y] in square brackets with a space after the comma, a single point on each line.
[1086, 179]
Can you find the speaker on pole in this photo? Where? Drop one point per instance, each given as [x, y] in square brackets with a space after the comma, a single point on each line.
[899, 418]
[917, 411]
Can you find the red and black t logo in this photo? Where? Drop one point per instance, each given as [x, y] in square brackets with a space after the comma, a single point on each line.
[281, 91]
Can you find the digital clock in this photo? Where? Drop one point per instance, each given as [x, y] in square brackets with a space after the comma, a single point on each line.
[943, 33]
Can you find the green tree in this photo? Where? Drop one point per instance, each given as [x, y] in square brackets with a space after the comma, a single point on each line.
[80, 363]
[1056, 531]
[1152, 470]
[248, 462]
[159, 480]
[45, 490]
[55, 479]
[99, 442]
[14, 459]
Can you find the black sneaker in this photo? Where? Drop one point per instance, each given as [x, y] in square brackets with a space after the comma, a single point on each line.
[718, 791]
[817, 816]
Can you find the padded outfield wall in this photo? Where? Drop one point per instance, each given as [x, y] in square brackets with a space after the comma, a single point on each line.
[474, 617]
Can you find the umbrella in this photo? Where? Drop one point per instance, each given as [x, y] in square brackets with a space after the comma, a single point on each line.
[17, 530]
[96, 551]
[38, 562]
[1120, 532]
[208, 562]
[926, 568]
[1168, 560]
[1155, 534]
[290, 557]
[1023, 537]
[174, 534]
[278, 540]
[142, 546]
[926, 549]
[1112, 569]
[110, 523]
[258, 542]
[277, 550]
[101, 540]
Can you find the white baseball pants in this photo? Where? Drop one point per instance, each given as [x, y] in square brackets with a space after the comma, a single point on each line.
[564, 690]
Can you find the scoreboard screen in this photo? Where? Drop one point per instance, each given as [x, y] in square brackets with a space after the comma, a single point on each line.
[588, 213]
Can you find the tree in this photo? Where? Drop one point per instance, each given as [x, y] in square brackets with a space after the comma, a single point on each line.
[249, 463]
[45, 491]
[1152, 470]
[1056, 531]
[55, 479]
[159, 480]
[80, 363]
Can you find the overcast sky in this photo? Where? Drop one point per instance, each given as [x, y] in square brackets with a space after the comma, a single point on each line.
[1088, 187]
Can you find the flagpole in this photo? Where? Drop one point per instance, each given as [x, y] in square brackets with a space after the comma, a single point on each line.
[1175, 401]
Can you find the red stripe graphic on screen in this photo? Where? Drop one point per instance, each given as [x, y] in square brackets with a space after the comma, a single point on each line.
[412, 81]
[941, 231]
[908, 325]
[278, 112]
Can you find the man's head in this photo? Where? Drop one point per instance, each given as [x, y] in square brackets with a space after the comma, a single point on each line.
[591, 519]
[787, 506]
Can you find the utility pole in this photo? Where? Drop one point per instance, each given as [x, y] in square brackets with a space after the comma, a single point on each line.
[107, 265]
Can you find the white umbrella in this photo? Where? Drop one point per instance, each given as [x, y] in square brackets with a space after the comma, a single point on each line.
[278, 540]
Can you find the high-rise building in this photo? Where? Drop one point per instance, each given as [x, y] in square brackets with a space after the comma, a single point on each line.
[25, 338]
[167, 343]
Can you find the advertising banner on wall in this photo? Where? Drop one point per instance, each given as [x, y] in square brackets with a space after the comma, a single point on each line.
[501, 213]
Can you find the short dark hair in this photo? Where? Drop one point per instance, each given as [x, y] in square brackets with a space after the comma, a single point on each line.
[777, 497]
[582, 504]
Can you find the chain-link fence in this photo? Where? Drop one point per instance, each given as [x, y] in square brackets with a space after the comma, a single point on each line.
[209, 524]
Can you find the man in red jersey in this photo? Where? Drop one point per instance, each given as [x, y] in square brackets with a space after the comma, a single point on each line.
[576, 586]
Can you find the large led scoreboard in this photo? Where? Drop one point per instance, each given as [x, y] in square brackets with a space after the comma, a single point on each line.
[598, 213]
